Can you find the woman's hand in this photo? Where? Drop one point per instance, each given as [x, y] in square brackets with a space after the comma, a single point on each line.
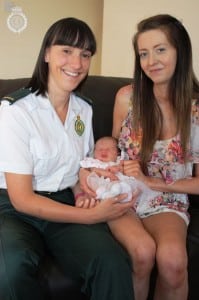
[133, 168]
[86, 201]
[111, 208]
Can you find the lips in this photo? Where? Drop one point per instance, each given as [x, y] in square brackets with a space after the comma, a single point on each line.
[104, 157]
[155, 71]
[72, 74]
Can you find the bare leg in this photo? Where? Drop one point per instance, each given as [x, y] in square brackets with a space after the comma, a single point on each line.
[169, 231]
[129, 231]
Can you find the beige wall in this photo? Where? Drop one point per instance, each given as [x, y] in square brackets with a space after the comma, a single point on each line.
[117, 20]
[119, 24]
[18, 51]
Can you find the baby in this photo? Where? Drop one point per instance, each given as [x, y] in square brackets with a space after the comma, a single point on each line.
[106, 156]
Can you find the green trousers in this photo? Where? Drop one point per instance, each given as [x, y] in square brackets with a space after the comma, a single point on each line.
[87, 253]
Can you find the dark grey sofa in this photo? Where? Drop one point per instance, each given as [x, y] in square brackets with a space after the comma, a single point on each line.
[101, 90]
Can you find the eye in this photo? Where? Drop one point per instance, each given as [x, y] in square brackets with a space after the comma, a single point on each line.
[86, 54]
[161, 49]
[67, 50]
[143, 54]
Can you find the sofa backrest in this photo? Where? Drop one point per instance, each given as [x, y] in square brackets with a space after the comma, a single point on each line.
[10, 85]
[100, 89]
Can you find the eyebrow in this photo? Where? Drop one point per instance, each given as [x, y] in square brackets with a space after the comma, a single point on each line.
[156, 46]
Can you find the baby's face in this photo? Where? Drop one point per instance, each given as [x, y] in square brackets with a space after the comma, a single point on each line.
[106, 150]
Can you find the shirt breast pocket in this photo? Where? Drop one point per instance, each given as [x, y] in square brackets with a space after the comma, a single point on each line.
[45, 157]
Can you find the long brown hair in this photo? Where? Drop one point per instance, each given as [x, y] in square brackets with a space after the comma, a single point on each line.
[146, 112]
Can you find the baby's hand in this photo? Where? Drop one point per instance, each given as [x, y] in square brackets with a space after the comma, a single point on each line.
[106, 173]
[115, 169]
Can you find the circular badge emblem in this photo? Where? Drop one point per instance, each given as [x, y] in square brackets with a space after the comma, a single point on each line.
[17, 21]
[79, 126]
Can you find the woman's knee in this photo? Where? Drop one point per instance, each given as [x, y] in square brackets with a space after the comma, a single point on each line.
[143, 252]
[172, 266]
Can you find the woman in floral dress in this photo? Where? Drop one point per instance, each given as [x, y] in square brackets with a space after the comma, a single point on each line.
[156, 122]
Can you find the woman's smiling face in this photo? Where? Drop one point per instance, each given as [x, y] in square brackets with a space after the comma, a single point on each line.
[158, 57]
[68, 66]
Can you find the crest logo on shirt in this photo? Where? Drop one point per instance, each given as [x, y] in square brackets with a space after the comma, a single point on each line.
[79, 126]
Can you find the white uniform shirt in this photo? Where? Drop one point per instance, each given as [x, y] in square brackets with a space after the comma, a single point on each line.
[34, 141]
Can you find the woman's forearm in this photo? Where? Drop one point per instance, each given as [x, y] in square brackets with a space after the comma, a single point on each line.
[185, 186]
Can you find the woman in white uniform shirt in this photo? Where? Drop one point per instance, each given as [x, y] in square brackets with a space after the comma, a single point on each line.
[43, 137]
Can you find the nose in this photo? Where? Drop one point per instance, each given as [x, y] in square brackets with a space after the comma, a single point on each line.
[75, 61]
[102, 151]
[152, 58]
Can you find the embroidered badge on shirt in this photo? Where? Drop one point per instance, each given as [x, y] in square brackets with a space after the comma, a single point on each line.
[79, 126]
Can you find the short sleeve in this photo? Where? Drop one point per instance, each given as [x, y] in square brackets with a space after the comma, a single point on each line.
[14, 146]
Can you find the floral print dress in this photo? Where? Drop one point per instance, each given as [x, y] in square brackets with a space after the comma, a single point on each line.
[166, 162]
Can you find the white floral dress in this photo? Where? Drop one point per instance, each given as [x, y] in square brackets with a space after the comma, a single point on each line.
[166, 162]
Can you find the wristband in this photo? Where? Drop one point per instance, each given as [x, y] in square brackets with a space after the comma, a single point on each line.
[79, 195]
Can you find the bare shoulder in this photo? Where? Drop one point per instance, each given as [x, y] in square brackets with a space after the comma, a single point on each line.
[121, 108]
[124, 92]
[123, 96]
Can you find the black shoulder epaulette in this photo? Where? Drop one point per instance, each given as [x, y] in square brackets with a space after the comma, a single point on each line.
[14, 96]
[88, 100]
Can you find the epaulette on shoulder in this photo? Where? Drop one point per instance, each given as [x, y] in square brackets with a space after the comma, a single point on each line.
[88, 100]
[14, 96]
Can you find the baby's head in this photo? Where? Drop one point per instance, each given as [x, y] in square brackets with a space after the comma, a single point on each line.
[106, 149]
